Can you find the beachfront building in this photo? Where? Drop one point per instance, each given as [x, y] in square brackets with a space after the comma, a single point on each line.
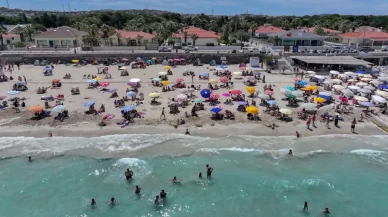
[63, 36]
[130, 38]
[296, 38]
[205, 37]
[10, 38]
[263, 31]
[364, 38]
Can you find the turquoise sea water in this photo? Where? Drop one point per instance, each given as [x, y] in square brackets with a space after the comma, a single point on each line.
[252, 181]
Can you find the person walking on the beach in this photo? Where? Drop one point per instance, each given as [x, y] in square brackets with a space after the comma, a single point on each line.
[327, 123]
[313, 119]
[336, 119]
[163, 114]
[353, 125]
[308, 122]
[209, 171]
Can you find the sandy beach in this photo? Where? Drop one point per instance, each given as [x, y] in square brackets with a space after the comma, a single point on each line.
[80, 124]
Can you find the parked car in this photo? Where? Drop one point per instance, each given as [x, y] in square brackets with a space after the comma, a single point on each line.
[191, 48]
[366, 49]
[164, 49]
[384, 48]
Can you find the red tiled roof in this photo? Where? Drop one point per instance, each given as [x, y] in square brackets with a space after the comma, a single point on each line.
[9, 35]
[131, 34]
[269, 29]
[195, 30]
[371, 35]
[312, 29]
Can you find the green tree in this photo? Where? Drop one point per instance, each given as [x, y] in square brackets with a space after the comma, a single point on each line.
[319, 30]
[20, 31]
[185, 36]
[30, 30]
[119, 38]
[194, 37]
[138, 39]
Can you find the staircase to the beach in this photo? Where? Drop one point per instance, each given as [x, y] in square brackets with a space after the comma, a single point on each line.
[380, 121]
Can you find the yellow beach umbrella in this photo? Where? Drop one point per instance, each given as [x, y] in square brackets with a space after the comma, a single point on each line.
[98, 79]
[252, 110]
[167, 67]
[166, 82]
[250, 89]
[213, 81]
[306, 89]
[154, 95]
[319, 100]
[75, 61]
[313, 87]
[285, 111]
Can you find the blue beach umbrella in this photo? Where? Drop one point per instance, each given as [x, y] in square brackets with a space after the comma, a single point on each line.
[89, 103]
[302, 82]
[128, 108]
[272, 102]
[47, 69]
[216, 109]
[112, 90]
[19, 82]
[324, 96]
[367, 104]
[131, 94]
[157, 79]
[223, 66]
[241, 103]
[91, 81]
[204, 73]
[382, 86]
[375, 72]
[205, 93]
[360, 72]
[59, 109]
[13, 92]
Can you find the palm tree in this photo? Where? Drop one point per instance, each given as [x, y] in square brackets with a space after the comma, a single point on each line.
[253, 28]
[185, 36]
[20, 31]
[119, 37]
[138, 39]
[194, 37]
[276, 39]
[106, 31]
[129, 41]
[3, 31]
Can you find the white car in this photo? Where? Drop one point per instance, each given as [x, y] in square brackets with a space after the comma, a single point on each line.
[191, 48]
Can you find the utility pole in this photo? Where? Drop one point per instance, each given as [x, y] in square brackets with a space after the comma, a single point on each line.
[7, 4]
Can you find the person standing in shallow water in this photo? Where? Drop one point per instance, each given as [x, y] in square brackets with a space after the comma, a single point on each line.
[93, 203]
[209, 171]
[128, 174]
[29, 159]
[305, 207]
[137, 191]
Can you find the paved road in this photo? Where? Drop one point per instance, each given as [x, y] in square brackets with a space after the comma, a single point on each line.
[108, 52]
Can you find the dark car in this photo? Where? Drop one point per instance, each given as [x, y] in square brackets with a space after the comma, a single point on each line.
[367, 49]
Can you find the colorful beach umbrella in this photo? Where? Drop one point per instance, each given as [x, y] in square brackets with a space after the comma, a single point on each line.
[204, 74]
[212, 81]
[198, 100]
[252, 110]
[128, 108]
[134, 80]
[290, 88]
[224, 79]
[89, 103]
[226, 94]
[179, 80]
[91, 81]
[302, 82]
[285, 91]
[104, 84]
[166, 82]
[36, 108]
[205, 93]
[216, 109]
[154, 95]
[285, 111]
[268, 92]
[250, 89]
[319, 100]
[162, 73]
[13, 92]
[131, 94]
[157, 79]
[59, 109]
[236, 92]
[214, 96]
[167, 67]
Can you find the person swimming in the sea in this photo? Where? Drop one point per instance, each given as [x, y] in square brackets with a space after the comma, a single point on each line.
[290, 152]
[326, 212]
[137, 191]
[112, 201]
[128, 174]
[175, 180]
[163, 194]
[29, 159]
[156, 201]
[200, 175]
[209, 171]
[93, 203]
[305, 207]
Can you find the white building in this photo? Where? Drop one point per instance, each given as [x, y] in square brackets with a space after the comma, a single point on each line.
[63, 36]
[204, 36]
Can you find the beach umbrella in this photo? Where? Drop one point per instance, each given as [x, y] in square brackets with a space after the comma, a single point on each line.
[124, 59]
[236, 92]
[369, 87]
[379, 99]
[162, 73]
[186, 71]
[302, 82]
[59, 109]
[285, 91]
[75, 61]
[328, 82]
[297, 93]
[47, 69]
[205, 93]
[132, 84]
[181, 97]
[166, 82]
[353, 87]
[167, 67]
[88, 103]
[214, 96]
[241, 103]
[334, 72]
[134, 80]
[13, 92]
[272, 102]
[112, 90]
[20, 83]
[366, 91]
[131, 94]
[348, 93]
[313, 87]
[205, 74]
[198, 100]
[338, 87]
[220, 69]
[367, 104]
[53, 81]
[252, 110]
[154, 95]
[91, 81]
[157, 79]
[263, 96]
[104, 84]
[98, 79]
[360, 72]
[324, 97]
[319, 100]
[382, 86]
[291, 88]
[36, 108]
[309, 106]
[290, 96]
[366, 79]
[361, 84]
[268, 92]
[361, 98]
[223, 66]
[250, 89]
[382, 93]
[336, 81]
[325, 94]
[226, 94]
[383, 79]
[216, 109]
[237, 73]
[128, 108]
[285, 111]
[179, 80]
[212, 81]
[224, 79]
[123, 68]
